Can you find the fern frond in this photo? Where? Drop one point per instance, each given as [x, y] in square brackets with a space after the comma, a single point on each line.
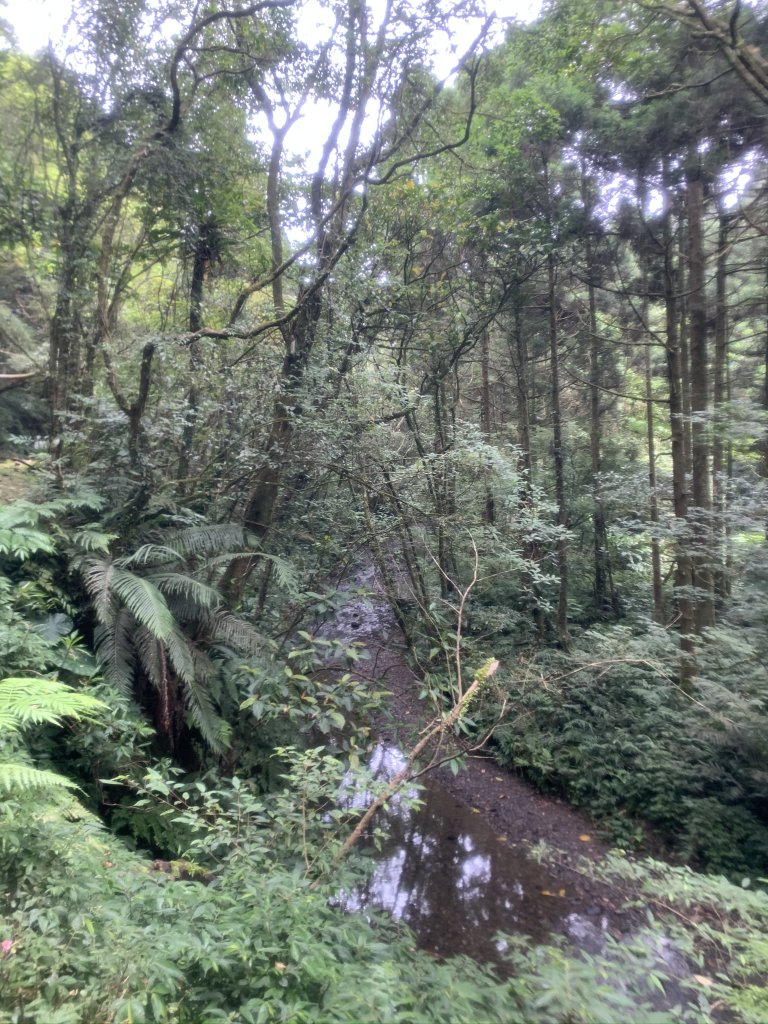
[25, 701]
[115, 651]
[198, 594]
[150, 652]
[212, 727]
[91, 539]
[144, 601]
[150, 554]
[180, 656]
[23, 541]
[224, 627]
[285, 574]
[18, 777]
[98, 582]
[211, 539]
[19, 513]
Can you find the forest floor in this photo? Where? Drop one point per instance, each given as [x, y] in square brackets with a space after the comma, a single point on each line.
[15, 481]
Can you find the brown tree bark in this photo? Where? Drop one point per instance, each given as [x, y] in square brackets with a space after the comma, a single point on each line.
[486, 414]
[653, 499]
[684, 618]
[720, 480]
[558, 456]
[205, 252]
[700, 511]
[606, 598]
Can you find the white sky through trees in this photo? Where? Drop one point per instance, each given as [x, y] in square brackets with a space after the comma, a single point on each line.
[35, 22]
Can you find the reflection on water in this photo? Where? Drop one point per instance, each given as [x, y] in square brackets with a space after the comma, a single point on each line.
[444, 872]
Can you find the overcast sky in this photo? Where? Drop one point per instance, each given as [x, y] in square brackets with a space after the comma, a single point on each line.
[37, 21]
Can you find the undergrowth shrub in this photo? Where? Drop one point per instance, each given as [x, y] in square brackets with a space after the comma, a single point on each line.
[93, 932]
[608, 726]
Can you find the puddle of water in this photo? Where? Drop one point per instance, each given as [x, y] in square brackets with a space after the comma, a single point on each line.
[447, 875]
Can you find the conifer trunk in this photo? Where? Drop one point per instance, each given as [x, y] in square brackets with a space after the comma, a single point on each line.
[700, 514]
[684, 617]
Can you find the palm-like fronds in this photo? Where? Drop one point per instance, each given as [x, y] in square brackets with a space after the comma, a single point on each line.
[235, 632]
[210, 539]
[176, 584]
[116, 649]
[106, 582]
[156, 615]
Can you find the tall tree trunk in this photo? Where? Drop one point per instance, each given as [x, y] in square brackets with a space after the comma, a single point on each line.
[719, 462]
[764, 459]
[653, 502]
[520, 361]
[559, 461]
[531, 550]
[66, 329]
[605, 597]
[205, 252]
[700, 514]
[445, 508]
[683, 574]
[489, 512]
[685, 350]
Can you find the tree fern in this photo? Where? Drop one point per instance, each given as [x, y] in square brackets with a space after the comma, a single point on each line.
[210, 539]
[116, 649]
[199, 595]
[105, 581]
[151, 554]
[97, 578]
[212, 727]
[156, 616]
[236, 632]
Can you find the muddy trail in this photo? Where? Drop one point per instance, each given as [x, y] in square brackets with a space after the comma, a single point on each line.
[456, 867]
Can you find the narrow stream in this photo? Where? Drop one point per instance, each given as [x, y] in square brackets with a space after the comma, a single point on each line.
[441, 869]
[456, 883]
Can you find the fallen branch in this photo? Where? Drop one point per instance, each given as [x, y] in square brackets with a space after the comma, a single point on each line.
[406, 774]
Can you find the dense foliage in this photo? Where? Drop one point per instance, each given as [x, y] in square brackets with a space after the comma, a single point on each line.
[278, 305]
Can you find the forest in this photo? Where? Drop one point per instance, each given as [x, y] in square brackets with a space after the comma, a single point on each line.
[332, 365]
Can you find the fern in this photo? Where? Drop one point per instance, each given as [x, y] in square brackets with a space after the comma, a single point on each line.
[97, 579]
[180, 656]
[105, 581]
[214, 730]
[198, 594]
[151, 554]
[24, 541]
[89, 538]
[230, 629]
[155, 615]
[30, 701]
[210, 539]
[116, 650]
[15, 776]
